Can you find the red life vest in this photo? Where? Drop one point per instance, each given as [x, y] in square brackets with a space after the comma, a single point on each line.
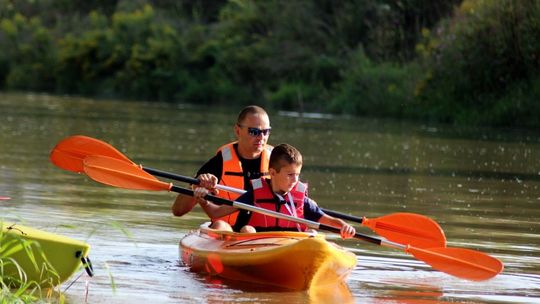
[264, 198]
[232, 174]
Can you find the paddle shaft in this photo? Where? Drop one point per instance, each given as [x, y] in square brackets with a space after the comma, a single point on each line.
[173, 176]
[195, 181]
[308, 223]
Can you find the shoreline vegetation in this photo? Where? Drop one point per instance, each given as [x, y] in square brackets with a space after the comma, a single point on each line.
[14, 285]
[464, 62]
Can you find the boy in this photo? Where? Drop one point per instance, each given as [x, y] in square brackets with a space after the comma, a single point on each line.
[282, 193]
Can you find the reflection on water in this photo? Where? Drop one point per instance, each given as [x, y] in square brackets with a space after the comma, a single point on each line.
[480, 185]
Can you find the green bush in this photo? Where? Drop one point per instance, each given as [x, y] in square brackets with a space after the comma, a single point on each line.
[28, 54]
[486, 52]
[132, 55]
[372, 58]
[374, 89]
[299, 97]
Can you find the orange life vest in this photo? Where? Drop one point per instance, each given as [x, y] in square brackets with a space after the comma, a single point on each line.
[264, 198]
[232, 174]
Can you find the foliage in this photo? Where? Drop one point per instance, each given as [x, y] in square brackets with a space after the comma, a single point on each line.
[374, 89]
[28, 54]
[461, 61]
[403, 22]
[486, 64]
[131, 55]
[17, 289]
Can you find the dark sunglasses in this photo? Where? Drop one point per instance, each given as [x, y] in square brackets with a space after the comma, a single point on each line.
[256, 132]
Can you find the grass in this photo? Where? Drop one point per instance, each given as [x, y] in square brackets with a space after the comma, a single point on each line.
[14, 284]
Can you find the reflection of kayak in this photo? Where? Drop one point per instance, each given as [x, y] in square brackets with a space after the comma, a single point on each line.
[45, 258]
[291, 260]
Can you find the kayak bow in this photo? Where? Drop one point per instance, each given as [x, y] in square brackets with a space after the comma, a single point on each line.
[32, 255]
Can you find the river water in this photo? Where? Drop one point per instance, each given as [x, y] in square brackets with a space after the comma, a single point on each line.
[480, 184]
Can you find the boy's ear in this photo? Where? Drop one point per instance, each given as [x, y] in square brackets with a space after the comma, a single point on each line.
[272, 172]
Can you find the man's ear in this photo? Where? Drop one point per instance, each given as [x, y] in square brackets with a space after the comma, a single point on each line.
[236, 130]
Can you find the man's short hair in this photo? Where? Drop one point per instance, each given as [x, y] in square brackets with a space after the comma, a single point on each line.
[252, 109]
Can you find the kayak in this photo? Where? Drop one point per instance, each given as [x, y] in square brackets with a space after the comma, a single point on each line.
[47, 259]
[290, 260]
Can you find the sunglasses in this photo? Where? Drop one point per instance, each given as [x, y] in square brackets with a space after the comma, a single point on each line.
[256, 132]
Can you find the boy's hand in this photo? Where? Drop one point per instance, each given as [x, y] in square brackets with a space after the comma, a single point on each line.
[347, 231]
[200, 192]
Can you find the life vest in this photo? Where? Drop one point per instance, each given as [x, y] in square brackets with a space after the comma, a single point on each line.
[232, 174]
[264, 198]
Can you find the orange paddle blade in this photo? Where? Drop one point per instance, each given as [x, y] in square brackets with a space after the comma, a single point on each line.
[118, 173]
[463, 263]
[71, 151]
[408, 228]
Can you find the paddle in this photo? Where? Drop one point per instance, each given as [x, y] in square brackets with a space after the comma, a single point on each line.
[463, 263]
[404, 228]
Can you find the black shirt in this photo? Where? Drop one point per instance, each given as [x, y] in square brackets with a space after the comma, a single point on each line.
[250, 167]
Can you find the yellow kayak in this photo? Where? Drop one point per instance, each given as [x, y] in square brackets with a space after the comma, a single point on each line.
[291, 260]
[31, 255]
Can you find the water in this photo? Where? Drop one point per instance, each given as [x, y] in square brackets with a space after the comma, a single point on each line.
[480, 185]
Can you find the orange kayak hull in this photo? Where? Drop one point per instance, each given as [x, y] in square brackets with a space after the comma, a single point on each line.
[290, 260]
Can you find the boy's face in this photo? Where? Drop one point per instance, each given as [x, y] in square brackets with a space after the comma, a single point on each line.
[284, 180]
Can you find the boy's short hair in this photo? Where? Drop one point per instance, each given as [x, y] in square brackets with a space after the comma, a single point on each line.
[283, 155]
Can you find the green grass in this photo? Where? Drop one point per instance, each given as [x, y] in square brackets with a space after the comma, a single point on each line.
[14, 285]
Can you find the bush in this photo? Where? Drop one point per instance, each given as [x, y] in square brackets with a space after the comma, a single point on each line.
[489, 49]
[28, 54]
[135, 56]
[373, 89]
[298, 97]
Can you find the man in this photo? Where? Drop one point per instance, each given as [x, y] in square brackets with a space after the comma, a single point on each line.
[234, 164]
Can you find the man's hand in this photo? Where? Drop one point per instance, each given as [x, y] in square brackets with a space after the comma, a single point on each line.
[209, 181]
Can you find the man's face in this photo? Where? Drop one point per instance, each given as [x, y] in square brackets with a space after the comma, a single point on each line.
[252, 134]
